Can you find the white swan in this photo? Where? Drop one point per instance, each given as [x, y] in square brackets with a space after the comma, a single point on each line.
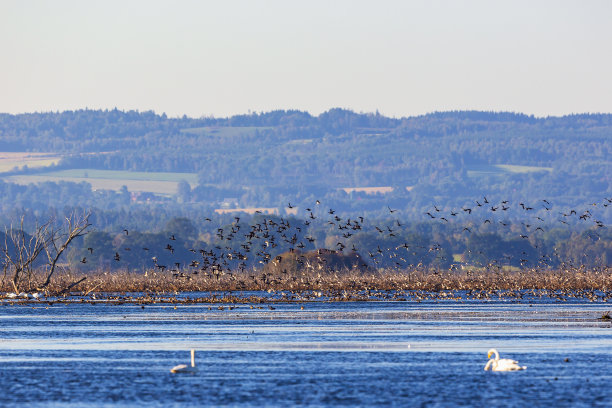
[184, 368]
[504, 364]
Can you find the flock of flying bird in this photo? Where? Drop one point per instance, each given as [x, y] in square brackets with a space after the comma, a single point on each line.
[239, 246]
[504, 206]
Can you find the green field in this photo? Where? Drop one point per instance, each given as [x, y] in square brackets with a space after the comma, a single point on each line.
[154, 182]
[224, 131]
[500, 169]
[522, 169]
[11, 160]
[298, 142]
[191, 178]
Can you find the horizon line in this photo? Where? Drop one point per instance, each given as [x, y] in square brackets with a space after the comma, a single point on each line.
[263, 112]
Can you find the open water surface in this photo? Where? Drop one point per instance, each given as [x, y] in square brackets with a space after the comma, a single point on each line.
[327, 354]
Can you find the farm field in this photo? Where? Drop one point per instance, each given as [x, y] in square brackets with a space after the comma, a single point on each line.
[157, 183]
[224, 131]
[191, 178]
[521, 169]
[10, 160]
[499, 169]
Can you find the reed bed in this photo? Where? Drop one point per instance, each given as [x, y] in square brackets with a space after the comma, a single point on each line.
[342, 285]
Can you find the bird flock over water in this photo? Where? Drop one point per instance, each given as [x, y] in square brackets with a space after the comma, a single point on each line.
[268, 240]
[320, 253]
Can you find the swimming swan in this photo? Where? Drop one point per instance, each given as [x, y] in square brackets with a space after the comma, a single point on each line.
[505, 364]
[184, 368]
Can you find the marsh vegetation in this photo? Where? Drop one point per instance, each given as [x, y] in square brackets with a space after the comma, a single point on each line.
[253, 286]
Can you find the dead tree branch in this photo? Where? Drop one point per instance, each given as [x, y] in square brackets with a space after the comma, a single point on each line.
[76, 227]
[21, 251]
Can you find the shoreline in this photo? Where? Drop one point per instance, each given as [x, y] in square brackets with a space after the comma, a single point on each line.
[230, 298]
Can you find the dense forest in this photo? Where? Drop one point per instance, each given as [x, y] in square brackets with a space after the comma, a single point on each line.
[457, 182]
[266, 159]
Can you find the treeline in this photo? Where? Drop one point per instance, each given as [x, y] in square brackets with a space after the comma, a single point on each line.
[486, 233]
[144, 239]
[181, 244]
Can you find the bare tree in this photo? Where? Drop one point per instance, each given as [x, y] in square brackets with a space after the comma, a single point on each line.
[21, 251]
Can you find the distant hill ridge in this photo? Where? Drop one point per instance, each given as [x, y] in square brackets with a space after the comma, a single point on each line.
[265, 160]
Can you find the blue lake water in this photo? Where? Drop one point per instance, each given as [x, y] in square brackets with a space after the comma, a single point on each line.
[327, 354]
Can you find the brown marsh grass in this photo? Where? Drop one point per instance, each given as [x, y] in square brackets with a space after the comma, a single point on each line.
[346, 285]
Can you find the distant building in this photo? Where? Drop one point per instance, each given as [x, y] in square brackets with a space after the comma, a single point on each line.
[368, 190]
[143, 197]
[252, 210]
[230, 202]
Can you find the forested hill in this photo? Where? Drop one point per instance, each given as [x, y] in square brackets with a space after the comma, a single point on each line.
[270, 159]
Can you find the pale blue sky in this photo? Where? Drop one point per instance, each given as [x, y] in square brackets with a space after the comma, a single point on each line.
[225, 57]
